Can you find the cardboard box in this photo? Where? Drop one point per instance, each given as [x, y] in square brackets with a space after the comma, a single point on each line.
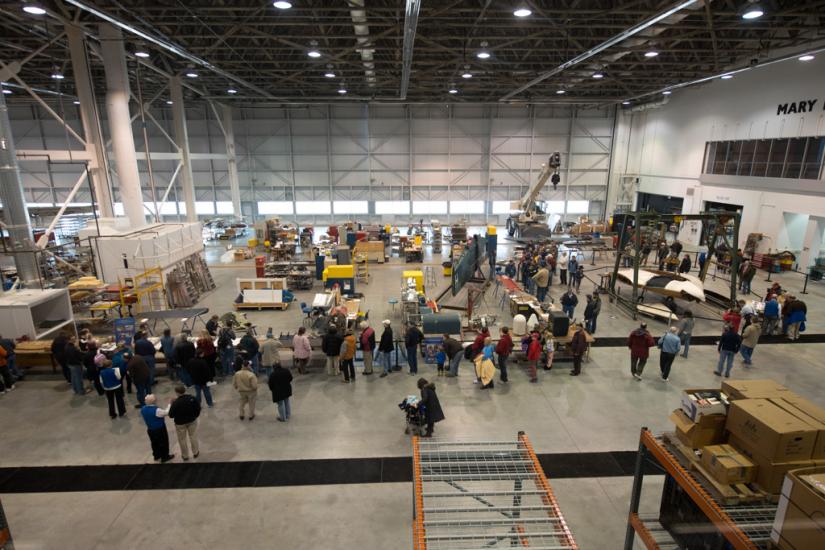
[771, 431]
[710, 430]
[769, 474]
[727, 465]
[819, 446]
[752, 389]
[698, 402]
[800, 517]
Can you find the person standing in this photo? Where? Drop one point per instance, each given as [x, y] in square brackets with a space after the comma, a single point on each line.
[206, 349]
[432, 406]
[91, 365]
[542, 280]
[771, 315]
[686, 331]
[212, 325]
[58, 349]
[10, 347]
[503, 349]
[640, 341]
[331, 346]
[686, 264]
[167, 347]
[591, 312]
[578, 346]
[6, 381]
[146, 349]
[155, 419]
[797, 312]
[185, 411]
[569, 301]
[302, 350]
[533, 356]
[249, 348]
[184, 351]
[572, 270]
[669, 345]
[454, 351]
[270, 353]
[385, 348]
[412, 338]
[226, 349]
[110, 379]
[198, 370]
[246, 383]
[348, 357]
[733, 318]
[562, 263]
[280, 384]
[728, 346]
[750, 337]
[139, 373]
[367, 340]
[74, 359]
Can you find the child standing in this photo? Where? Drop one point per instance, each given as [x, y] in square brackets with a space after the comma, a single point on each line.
[549, 350]
[441, 358]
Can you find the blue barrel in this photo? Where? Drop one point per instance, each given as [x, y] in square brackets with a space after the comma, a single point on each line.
[441, 323]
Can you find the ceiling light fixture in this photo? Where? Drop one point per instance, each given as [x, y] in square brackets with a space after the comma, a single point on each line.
[466, 73]
[141, 54]
[58, 76]
[76, 102]
[560, 92]
[192, 75]
[598, 76]
[453, 91]
[651, 54]
[807, 57]
[483, 55]
[522, 12]
[667, 92]
[169, 102]
[752, 10]
[314, 54]
[342, 91]
[625, 103]
[232, 91]
[726, 76]
[329, 74]
[7, 92]
[34, 9]
[282, 5]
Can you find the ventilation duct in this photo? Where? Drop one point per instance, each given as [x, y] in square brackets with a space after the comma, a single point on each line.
[362, 37]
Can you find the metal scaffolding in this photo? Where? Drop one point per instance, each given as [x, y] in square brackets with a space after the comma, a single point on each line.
[484, 494]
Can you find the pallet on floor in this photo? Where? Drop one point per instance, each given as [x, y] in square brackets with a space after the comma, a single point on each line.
[263, 305]
[729, 495]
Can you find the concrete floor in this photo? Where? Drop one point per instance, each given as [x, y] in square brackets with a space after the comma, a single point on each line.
[602, 410]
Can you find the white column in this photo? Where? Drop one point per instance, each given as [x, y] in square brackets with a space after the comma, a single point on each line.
[120, 124]
[182, 140]
[812, 243]
[91, 121]
[231, 162]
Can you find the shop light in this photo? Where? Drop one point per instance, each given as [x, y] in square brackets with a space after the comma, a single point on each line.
[522, 12]
[192, 75]
[651, 54]
[807, 57]
[169, 102]
[467, 74]
[726, 76]
[597, 76]
[667, 92]
[451, 90]
[34, 9]
[342, 91]
[560, 92]
[483, 55]
[232, 91]
[315, 54]
[142, 54]
[58, 76]
[752, 10]
[282, 5]
[7, 92]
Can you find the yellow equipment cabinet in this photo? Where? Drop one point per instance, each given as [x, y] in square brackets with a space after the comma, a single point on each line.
[339, 272]
[417, 275]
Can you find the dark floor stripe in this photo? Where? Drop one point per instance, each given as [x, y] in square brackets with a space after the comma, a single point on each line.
[282, 473]
[621, 341]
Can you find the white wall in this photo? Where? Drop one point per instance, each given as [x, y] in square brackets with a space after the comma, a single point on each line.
[665, 146]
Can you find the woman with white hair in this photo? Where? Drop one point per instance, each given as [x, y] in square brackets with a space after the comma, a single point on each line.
[385, 347]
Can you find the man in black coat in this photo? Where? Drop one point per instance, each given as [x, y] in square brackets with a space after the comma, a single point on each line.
[59, 353]
[432, 406]
[331, 346]
[198, 370]
[280, 384]
[412, 339]
[386, 347]
[185, 411]
[140, 375]
[184, 352]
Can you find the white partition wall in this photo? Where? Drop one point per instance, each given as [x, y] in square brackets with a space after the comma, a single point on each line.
[323, 162]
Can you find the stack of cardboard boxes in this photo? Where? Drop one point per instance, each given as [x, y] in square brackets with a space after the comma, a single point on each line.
[774, 438]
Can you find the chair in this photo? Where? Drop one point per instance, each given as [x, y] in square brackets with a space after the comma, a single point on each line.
[307, 311]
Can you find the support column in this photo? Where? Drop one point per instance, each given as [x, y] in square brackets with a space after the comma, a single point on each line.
[98, 171]
[182, 140]
[231, 161]
[15, 212]
[812, 243]
[120, 124]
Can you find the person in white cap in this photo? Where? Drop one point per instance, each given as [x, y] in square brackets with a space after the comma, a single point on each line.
[385, 347]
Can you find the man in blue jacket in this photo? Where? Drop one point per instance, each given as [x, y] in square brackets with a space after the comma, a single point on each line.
[110, 379]
[771, 315]
[728, 348]
[155, 419]
[670, 345]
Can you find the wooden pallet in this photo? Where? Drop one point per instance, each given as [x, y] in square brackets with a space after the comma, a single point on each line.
[728, 495]
[259, 306]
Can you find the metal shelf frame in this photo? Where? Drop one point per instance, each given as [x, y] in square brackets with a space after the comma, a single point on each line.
[473, 495]
[745, 527]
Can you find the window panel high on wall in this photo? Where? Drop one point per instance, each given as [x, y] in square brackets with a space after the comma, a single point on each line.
[312, 208]
[789, 158]
[392, 207]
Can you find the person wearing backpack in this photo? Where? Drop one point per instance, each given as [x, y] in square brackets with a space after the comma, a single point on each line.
[226, 350]
[185, 411]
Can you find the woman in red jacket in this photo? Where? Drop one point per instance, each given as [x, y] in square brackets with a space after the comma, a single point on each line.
[206, 348]
[640, 341]
[533, 355]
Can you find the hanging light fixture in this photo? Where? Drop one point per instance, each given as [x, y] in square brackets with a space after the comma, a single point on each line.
[466, 73]
[58, 76]
[807, 57]
[142, 54]
[652, 53]
[726, 76]
[561, 92]
[342, 90]
[522, 11]
[232, 91]
[597, 76]
[282, 5]
[34, 9]
[192, 74]
[313, 51]
[483, 53]
[752, 9]
[451, 91]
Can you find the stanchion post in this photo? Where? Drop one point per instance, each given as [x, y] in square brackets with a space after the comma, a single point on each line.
[805, 286]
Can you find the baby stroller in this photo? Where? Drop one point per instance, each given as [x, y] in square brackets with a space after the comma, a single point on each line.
[415, 415]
